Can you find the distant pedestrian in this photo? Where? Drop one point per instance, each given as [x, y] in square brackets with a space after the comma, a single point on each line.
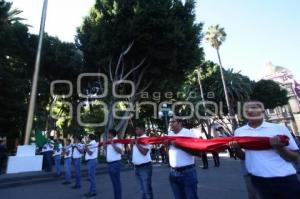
[204, 160]
[216, 158]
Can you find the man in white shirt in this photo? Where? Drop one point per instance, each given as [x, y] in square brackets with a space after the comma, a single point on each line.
[271, 171]
[47, 152]
[57, 156]
[67, 161]
[183, 175]
[91, 156]
[77, 151]
[142, 163]
[113, 158]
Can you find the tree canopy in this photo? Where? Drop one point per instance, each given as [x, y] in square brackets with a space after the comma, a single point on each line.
[164, 32]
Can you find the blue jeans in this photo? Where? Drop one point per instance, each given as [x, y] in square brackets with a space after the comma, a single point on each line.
[184, 183]
[144, 175]
[277, 188]
[57, 159]
[114, 170]
[67, 169]
[92, 174]
[77, 162]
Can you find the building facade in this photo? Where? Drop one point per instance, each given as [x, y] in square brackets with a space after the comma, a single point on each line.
[290, 113]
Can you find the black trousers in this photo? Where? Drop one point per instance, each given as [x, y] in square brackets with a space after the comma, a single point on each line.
[204, 159]
[287, 187]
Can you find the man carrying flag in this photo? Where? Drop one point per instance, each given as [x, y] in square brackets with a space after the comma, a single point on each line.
[271, 171]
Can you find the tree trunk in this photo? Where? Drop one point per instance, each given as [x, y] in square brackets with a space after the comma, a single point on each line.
[231, 112]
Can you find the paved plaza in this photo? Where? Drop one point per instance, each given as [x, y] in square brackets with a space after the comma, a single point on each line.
[224, 182]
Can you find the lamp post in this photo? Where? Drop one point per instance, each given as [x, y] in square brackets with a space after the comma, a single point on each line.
[165, 113]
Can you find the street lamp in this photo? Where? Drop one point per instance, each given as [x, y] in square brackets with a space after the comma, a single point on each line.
[165, 113]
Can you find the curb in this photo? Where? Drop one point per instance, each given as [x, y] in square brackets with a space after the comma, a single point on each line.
[43, 178]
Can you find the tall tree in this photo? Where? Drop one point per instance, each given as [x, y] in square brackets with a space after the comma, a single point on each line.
[162, 36]
[269, 93]
[215, 36]
[18, 48]
[239, 90]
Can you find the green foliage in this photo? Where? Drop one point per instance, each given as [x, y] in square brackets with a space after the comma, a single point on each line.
[60, 60]
[269, 93]
[238, 86]
[215, 36]
[240, 89]
[164, 32]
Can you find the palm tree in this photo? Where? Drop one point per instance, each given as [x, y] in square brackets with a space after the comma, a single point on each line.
[7, 14]
[215, 35]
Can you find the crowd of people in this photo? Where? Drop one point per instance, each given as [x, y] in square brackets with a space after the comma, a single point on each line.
[267, 173]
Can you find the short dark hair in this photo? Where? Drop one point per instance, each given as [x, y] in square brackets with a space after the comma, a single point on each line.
[140, 125]
[78, 137]
[92, 136]
[177, 119]
[113, 132]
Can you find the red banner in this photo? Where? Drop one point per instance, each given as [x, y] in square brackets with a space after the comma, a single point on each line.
[216, 144]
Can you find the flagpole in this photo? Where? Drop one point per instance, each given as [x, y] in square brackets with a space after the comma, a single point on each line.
[33, 92]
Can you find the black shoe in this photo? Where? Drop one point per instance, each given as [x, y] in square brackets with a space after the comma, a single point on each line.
[65, 183]
[205, 167]
[76, 187]
[88, 195]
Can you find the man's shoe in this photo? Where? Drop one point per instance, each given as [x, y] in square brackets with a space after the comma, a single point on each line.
[205, 167]
[88, 195]
[76, 187]
[65, 183]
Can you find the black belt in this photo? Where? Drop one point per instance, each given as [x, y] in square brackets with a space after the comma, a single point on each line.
[180, 169]
[113, 162]
[142, 165]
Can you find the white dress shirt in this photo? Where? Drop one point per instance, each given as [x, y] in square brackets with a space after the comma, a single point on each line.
[68, 151]
[76, 153]
[137, 157]
[58, 150]
[93, 147]
[48, 146]
[178, 157]
[267, 163]
[111, 153]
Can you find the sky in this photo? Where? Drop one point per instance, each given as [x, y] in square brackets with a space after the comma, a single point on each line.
[258, 31]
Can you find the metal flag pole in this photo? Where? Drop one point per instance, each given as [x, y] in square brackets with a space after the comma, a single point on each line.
[33, 92]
